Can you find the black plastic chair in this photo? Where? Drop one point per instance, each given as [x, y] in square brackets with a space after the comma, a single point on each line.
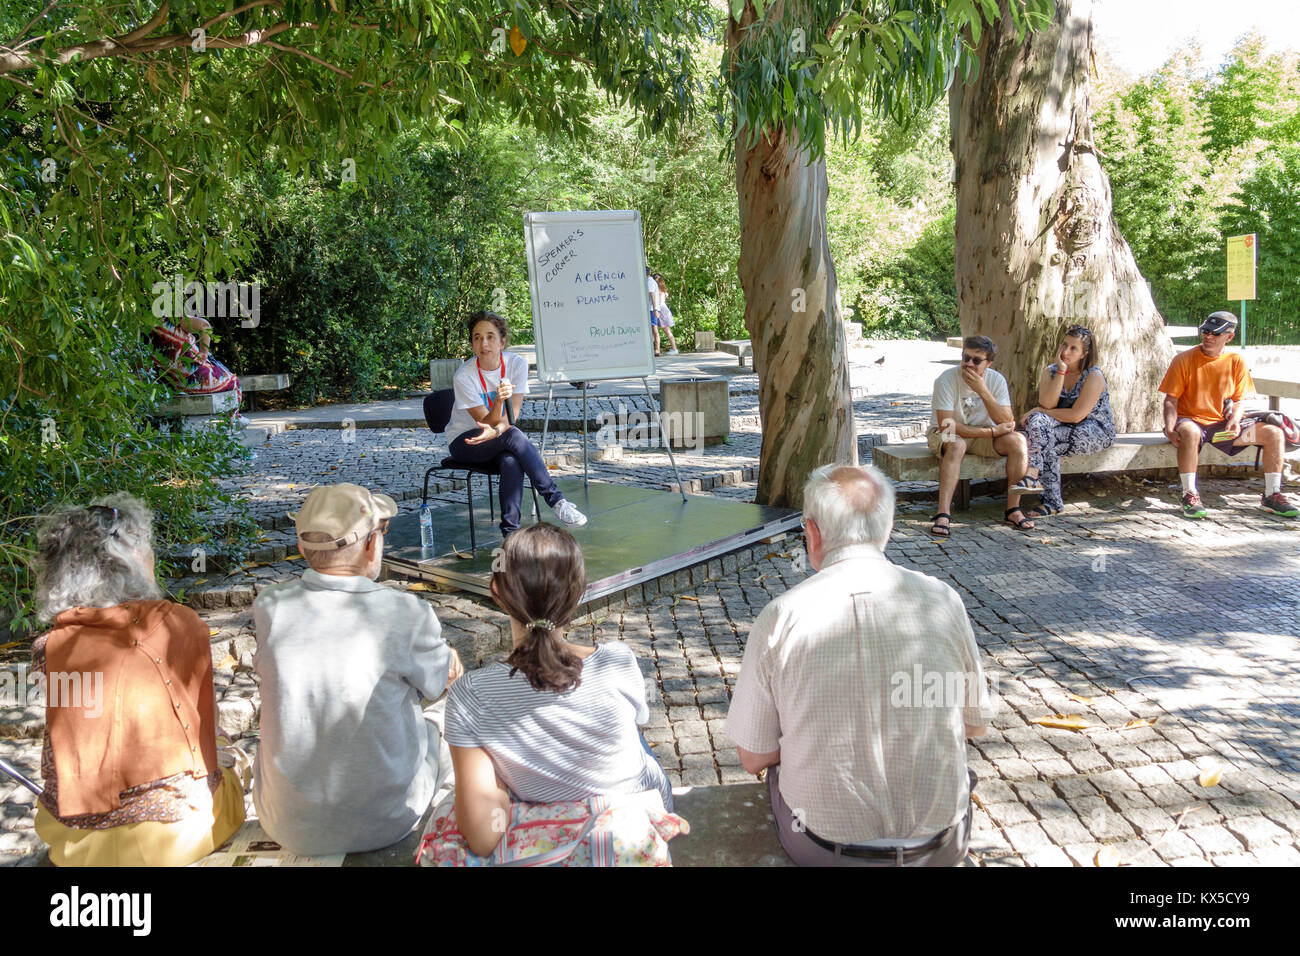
[437, 412]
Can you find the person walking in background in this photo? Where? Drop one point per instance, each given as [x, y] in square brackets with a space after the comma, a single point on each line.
[665, 316]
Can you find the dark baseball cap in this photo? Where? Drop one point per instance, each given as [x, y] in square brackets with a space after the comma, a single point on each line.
[1219, 322]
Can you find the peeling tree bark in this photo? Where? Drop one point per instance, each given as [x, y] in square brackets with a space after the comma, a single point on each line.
[1037, 244]
[791, 312]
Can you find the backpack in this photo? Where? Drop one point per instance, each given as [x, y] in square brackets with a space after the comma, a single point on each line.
[1290, 431]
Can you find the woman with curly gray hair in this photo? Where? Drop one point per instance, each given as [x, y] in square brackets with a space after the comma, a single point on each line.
[130, 754]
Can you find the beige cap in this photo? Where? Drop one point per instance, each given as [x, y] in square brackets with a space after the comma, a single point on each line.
[345, 512]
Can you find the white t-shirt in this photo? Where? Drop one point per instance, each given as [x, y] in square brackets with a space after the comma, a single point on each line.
[653, 288]
[950, 392]
[469, 390]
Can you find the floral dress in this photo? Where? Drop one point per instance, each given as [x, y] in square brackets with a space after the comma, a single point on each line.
[181, 366]
[1049, 439]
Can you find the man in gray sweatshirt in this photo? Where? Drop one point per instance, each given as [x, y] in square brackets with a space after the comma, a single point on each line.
[347, 760]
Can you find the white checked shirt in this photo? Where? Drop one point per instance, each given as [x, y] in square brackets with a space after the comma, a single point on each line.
[864, 677]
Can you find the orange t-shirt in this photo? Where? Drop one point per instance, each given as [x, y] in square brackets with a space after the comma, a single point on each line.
[1201, 383]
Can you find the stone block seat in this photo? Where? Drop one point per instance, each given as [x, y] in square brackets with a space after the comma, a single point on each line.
[187, 407]
[265, 383]
[196, 411]
[1139, 451]
[741, 348]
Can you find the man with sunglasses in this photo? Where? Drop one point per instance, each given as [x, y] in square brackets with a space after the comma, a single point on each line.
[1203, 391]
[347, 761]
[972, 413]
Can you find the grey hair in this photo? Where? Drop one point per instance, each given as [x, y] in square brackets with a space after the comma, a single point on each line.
[321, 560]
[86, 557]
[852, 504]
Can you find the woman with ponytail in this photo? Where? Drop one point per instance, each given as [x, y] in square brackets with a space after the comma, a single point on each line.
[554, 721]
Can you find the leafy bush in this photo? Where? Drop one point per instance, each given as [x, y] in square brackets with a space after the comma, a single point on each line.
[914, 296]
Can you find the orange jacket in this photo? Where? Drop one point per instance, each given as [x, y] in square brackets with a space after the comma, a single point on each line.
[150, 663]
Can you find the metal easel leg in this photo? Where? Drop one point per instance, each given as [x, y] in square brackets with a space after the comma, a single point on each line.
[681, 488]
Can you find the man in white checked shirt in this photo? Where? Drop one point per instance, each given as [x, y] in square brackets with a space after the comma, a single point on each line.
[858, 690]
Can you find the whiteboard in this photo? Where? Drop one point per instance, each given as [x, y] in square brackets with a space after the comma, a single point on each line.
[591, 308]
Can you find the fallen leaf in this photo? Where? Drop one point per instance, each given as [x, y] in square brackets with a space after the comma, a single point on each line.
[1078, 699]
[213, 632]
[419, 586]
[1106, 856]
[685, 597]
[1211, 777]
[1063, 721]
[1140, 722]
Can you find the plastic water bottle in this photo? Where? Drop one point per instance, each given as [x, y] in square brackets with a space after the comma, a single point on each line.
[426, 526]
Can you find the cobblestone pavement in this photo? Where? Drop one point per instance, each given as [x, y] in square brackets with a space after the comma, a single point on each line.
[1117, 610]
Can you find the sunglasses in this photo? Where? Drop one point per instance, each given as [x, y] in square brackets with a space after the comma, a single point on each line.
[1078, 331]
[973, 359]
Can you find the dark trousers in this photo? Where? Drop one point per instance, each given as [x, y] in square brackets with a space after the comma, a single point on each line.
[515, 456]
[800, 848]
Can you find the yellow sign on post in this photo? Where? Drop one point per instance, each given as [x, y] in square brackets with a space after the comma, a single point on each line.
[1241, 267]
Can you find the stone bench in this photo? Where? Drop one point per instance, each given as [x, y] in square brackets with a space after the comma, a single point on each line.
[195, 411]
[1140, 451]
[741, 348]
[1277, 389]
[187, 407]
[265, 383]
[251, 384]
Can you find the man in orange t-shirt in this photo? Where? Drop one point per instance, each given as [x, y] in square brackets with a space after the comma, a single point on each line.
[1203, 391]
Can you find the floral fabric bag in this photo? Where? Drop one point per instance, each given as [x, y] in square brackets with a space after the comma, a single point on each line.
[628, 830]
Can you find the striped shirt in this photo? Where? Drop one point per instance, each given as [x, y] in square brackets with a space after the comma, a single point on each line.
[548, 747]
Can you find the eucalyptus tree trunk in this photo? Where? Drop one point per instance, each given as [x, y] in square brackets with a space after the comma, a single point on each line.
[791, 311]
[1037, 244]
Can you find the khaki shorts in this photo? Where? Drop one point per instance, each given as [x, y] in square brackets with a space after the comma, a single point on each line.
[982, 446]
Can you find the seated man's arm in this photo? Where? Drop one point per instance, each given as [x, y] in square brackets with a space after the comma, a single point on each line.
[753, 763]
[752, 717]
[482, 800]
[1170, 411]
[961, 429]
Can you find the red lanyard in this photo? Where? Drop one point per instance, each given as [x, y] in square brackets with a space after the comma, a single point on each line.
[478, 368]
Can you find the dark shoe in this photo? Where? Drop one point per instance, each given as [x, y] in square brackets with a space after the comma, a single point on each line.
[1279, 505]
[941, 530]
[1192, 506]
[1020, 524]
[1042, 510]
[1028, 485]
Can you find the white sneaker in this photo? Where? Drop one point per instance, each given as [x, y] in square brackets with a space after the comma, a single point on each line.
[568, 513]
[672, 352]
